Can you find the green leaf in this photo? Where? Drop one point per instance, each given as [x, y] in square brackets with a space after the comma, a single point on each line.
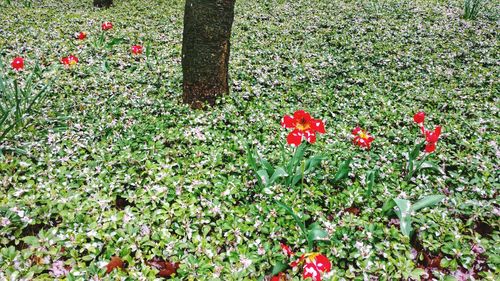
[251, 158]
[416, 273]
[430, 166]
[297, 156]
[296, 178]
[279, 267]
[31, 240]
[269, 168]
[415, 151]
[427, 201]
[315, 232]
[114, 41]
[404, 214]
[370, 178]
[312, 163]
[343, 170]
[278, 173]
[263, 177]
[299, 222]
[388, 207]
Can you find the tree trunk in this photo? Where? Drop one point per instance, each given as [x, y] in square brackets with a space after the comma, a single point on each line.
[103, 3]
[205, 50]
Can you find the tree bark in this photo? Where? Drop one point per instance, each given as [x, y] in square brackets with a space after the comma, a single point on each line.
[103, 3]
[205, 50]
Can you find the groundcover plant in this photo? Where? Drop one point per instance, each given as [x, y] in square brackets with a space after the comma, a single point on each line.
[359, 142]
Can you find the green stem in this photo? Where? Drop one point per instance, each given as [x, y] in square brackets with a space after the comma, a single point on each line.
[413, 171]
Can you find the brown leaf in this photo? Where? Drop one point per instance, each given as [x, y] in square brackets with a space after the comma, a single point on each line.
[115, 262]
[353, 210]
[432, 261]
[166, 269]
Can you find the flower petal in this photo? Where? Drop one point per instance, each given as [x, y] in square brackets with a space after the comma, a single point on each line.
[294, 138]
[288, 122]
[323, 263]
[311, 271]
[318, 125]
[356, 130]
[310, 136]
[430, 147]
[419, 117]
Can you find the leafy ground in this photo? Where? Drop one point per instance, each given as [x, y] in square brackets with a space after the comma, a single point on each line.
[114, 163]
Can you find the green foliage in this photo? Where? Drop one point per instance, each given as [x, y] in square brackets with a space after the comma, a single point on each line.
[111, 162]
[415, 165]
[405, 210]
[18, 98]
[269, 175]
[312, 233]
[472, 8]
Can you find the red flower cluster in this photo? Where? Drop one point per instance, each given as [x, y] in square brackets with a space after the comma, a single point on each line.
[431, 137]
[17, 63]
[362, 138]
[136, 49]
[69, 60]
[304, 127]
[82, 35]
[106, 25]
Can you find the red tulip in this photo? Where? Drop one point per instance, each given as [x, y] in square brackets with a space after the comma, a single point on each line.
[82, 35]
[431, 138]
[136, 49]
[106, 25]
[17, 63]
[69, 60]
[419, 117]
[362, 138]
[304, 127]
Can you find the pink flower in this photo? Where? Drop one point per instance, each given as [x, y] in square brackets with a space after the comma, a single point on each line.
[304, 127]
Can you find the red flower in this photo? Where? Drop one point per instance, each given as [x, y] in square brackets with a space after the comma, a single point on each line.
[304, 127]
[279, 277]
[106, 25]
[69, 60]
[314, 265]
[286, 249]
[136, 49]
[431, 138]
[419, 117]
[82, 35]
[362, 138]
[17, 63]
